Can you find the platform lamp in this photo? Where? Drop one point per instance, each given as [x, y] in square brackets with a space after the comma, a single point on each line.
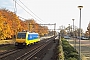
[80, 7]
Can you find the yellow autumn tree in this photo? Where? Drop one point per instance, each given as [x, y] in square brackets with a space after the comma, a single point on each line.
[3, 28]
[10, 24]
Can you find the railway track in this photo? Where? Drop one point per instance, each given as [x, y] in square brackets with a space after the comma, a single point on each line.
[32, 53]
[7, 53]
[27, 53]
[5, 45]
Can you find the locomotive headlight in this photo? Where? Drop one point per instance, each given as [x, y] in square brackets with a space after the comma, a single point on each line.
[24, 44]
[16, 43]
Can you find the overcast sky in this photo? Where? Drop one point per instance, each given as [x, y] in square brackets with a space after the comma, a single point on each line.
[60, 12]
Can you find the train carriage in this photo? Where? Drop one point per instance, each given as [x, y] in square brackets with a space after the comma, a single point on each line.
[26, 38]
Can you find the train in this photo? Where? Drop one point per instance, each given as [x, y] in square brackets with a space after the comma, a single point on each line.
[26, 38]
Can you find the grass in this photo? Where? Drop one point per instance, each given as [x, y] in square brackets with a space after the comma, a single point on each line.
[5, 48]
[7, 42]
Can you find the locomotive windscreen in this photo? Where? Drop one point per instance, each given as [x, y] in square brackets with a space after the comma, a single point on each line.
[21, 35]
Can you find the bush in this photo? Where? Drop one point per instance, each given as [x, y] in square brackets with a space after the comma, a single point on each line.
[71, 58]
[73, 54]
[69, 52]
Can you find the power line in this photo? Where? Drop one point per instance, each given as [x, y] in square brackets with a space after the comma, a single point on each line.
[22, 18]
[26, 10]
[30, 10]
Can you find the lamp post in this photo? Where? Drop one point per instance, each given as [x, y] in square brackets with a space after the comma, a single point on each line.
[69, 29]
[74, 35]
[80, 7]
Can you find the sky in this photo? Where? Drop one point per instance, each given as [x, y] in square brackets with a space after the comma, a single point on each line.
[60, 12]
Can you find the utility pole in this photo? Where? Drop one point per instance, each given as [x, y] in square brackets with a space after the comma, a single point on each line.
[29, 27]
[54, 28]
[15, 8]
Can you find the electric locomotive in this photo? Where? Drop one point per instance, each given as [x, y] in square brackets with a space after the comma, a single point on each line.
[26, 38]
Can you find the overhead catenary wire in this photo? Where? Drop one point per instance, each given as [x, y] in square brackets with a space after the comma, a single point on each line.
[26, 11]
[30, 10]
